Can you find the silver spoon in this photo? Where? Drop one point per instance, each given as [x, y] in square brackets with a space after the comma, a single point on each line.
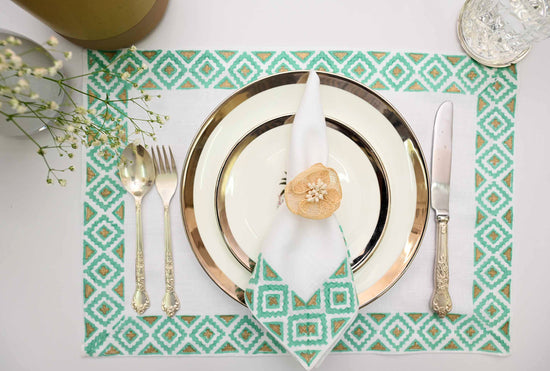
[137, 173]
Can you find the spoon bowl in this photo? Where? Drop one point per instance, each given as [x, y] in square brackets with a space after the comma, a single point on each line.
[136, 170]
[137, 174]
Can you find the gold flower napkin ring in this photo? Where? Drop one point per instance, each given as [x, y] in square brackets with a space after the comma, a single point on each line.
[314, 193]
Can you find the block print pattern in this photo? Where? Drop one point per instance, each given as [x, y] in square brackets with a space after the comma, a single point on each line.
[108, 331]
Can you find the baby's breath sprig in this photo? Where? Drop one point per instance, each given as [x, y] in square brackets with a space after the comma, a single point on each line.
[72, 125]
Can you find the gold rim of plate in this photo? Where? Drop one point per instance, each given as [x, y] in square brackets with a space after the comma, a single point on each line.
[399, 266]
[365, 147]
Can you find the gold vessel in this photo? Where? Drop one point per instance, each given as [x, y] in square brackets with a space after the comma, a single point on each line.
[99, 24]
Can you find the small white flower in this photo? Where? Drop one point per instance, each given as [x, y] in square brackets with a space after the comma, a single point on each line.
[92, 111]
[80, 110]
[17, 89]
[103, 137]
[9, 53]
[58, 64]
[21, 109]
[52, 71]
[147, 97]
[68, 55]
[16, 61]
[167, 118]
[144, 66]
[53, 105]
[125, 75]
[70, 128]
[14, 103]
[133, 48]
[52, 41]
[13, 41]
[34, 96]
[62, 182]
[23, 83]
[39, 72]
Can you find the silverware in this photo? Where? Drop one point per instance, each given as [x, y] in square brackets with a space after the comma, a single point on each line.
[166, 183]
[137, 174]
[441, 178]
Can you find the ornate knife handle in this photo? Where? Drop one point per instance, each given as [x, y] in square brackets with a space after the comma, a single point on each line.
[170, 302]
[140, 302]
[441, 300]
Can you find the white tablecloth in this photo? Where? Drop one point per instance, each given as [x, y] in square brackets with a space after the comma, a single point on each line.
[41, 252]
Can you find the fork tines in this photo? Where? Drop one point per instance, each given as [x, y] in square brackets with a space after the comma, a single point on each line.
[163, 166]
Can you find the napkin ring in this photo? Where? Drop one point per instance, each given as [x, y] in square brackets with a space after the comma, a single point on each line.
[314, 193]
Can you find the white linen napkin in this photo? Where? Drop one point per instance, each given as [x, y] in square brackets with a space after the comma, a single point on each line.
[302, 288]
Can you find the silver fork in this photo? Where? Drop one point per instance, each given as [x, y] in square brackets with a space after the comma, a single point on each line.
[166, 183]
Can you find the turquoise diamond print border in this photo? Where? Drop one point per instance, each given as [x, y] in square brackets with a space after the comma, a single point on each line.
[108, 331]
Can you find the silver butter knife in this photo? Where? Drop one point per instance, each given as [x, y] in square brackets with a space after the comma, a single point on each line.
[441, 182]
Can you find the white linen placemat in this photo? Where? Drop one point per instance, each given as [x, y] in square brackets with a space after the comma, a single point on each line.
[192, 84]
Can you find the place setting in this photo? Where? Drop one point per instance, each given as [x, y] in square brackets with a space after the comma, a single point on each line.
[302, 199]
[297, 206]
[307, 202]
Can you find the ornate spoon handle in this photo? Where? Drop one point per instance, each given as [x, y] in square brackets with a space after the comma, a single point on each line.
[140, 301]
[170, 302]
[441, 300]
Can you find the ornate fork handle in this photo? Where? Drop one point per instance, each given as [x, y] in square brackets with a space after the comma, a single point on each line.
[167, 182]
[441, 300]
[170, 302]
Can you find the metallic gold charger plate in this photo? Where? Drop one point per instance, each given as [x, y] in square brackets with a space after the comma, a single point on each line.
[255, 171]
[344, 101]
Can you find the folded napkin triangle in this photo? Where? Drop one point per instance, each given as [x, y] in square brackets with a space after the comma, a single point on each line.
[302, 289]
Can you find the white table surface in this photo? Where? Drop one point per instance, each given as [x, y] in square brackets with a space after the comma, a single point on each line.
[41, 326]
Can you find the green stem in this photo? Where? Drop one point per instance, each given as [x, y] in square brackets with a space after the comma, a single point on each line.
[24, 131]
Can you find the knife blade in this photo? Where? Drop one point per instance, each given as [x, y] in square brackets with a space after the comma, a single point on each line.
[440, 190]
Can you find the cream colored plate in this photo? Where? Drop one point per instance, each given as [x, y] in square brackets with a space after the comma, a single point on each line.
[251, 183]
[344, 100]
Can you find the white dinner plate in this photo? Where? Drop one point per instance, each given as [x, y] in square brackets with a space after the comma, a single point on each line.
[344, 101]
